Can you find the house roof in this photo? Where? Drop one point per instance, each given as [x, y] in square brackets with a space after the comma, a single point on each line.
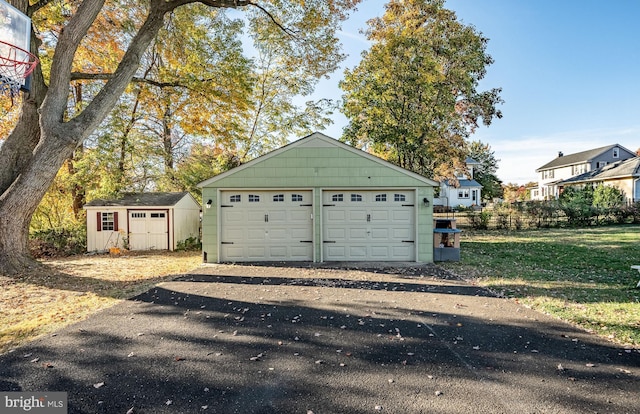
[469, 183]
[620, 169]
[326, 140]
[141, 200]
[578, 157]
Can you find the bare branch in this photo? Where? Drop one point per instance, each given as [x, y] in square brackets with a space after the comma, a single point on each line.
[75, 76]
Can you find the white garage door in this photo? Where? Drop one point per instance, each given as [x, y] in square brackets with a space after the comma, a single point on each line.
[149, 230]
[368, 225]
[266, 226]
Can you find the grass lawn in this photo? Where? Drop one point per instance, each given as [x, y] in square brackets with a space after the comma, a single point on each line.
[580, 275]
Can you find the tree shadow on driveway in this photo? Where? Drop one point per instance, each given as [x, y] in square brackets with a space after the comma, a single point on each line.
[225, 343]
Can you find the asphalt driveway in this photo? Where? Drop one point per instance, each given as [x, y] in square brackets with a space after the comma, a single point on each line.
[268, 339]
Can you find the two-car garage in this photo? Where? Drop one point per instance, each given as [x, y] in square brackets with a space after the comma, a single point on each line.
[319, 200]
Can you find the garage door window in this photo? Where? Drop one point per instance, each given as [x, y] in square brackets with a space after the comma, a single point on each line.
[296, 197]
[381, 197]
[356, 197]
[337, 197]
[278, 198]
[138, 215]
[236, 198]
[157, 215]
[399, 197]
[254, 198]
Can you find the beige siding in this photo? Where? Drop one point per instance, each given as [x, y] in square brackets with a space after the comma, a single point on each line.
[104, 240]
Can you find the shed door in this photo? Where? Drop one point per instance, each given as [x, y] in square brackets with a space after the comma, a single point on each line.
[149, 230]
[368, 225]
[266, 226]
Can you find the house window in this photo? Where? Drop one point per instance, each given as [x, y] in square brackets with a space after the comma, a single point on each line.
[463, 193]
[337, 197]
[157, 215]
[381, 197]
[108, 222]
[296, 197]
[600, 164]
[616, 152]
[399, 197]
[356, 197]
[235, 198]
[254, 198]
[278, 197]
[578, 169]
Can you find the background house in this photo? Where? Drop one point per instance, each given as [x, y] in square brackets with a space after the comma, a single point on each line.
[317, 199]
[467, 192]
[564, 167]
[142, 221]
[624, 175]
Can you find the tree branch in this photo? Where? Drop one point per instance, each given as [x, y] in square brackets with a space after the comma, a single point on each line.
[76, 76]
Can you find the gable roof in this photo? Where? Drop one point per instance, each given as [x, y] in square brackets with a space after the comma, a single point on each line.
[324, 140]
[621, 169]
[141, 200]
[579, 157]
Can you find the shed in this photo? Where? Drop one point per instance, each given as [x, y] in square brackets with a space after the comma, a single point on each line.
[142, 221]
[317, 199]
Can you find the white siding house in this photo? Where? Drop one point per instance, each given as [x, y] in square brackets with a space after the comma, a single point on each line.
[142, 221]
[467, 192]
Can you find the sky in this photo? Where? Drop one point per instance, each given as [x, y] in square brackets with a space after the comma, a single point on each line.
[569, 72]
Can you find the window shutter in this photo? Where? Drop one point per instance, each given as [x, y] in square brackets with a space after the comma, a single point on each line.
[115, 221]
[99, 214]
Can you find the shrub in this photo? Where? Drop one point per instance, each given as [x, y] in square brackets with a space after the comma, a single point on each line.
[58, 242]
[480, 220]
[192, 243]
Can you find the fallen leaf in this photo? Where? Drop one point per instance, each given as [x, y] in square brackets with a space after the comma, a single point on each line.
[179, 358]
[98, 385]
[130, 411]
[169, 402]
